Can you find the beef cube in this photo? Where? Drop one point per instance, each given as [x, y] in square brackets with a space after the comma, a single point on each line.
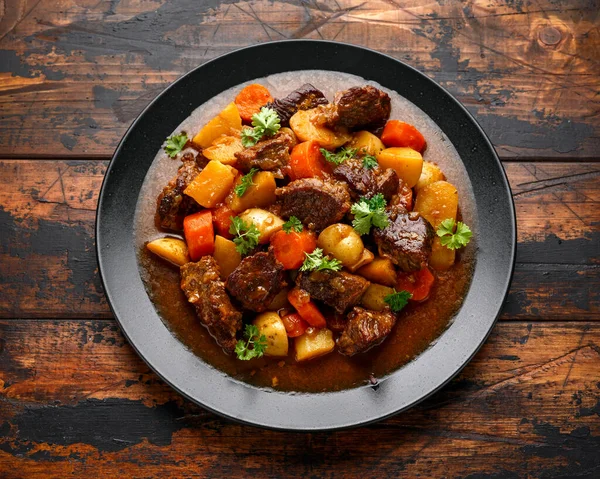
[337, 289]
[172, 205]
[406, 240]
[365, 329]
[204, 289]
[365, 108]
[256, 281]
[304, 98]
[317, 203]
[271, 154]
[367, 182]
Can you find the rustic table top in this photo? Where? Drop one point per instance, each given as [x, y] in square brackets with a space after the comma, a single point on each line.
[75, 400]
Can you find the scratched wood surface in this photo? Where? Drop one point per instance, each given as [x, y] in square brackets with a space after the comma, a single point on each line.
[76, 401]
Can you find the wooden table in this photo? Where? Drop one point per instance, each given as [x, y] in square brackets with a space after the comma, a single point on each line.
[77, 401]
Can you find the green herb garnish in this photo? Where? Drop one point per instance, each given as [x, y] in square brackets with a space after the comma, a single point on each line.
[246, 236]
[369, 162]
[397, 300]
[454, 239]
[253, 347]
[339, 157]
[245, 182]
[293, 224]
[315, 261]
[175, 143]
[368, 213]
[265, 123]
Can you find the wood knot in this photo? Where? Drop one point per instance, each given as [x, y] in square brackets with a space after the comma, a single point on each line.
[550, 36]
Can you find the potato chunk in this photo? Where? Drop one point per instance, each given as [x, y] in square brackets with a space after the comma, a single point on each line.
[271, 325]
[374, 297]
[430, 174]
[173, 250]
[407, 162]
[266, 222]
[226, 123]
[366, 142]
[380, 270]
[260, 194]
[313, 343]
[224, 150]
[212, 184]
[226, 256]
[302, 125]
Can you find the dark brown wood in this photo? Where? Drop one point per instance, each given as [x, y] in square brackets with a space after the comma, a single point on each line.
[73, 75]
[77, 400]
[48, 256]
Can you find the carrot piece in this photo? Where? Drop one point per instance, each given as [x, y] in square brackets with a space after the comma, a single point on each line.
[294, 325]
[199, 234]
[251, 99]
[308, 310]
[306, 161]
[418, 283]
[222, 220]
[398, 133]
[289, 248]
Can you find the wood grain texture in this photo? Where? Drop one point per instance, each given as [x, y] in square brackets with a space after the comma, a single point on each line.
[77, 401]
[48, 261]
[74, 74]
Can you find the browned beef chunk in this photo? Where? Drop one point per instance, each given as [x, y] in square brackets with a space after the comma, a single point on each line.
[364, 330]
[365, 182]
[271, 154]
[172, 205]
[406, 240]
[317, 203]
[304, 98]
[256, 281]
[363, 107]
[338, 289]
[203, 287]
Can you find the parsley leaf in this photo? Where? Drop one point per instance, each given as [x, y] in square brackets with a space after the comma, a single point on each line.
[245, 182]
[370, 162]
[397, 300]
[253, 338]
[175, 143]
[368, 213]
[293, 224]
[451, 239]
[315, 261]
[265, 123]
[339, 157]
[246, 237]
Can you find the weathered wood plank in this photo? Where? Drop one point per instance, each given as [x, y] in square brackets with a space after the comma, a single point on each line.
[73, 75]
[48, 264]
[77, 400]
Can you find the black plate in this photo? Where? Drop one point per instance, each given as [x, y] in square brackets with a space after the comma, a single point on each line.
[196, 380]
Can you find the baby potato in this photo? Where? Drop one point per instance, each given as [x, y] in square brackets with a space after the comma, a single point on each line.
[302, 125]
[430, 174]
[342, 242]
[366, 142]
[266, 222]
[366, 258]
[313, 343]
[173, 250]
[374, 297]
[271, 325]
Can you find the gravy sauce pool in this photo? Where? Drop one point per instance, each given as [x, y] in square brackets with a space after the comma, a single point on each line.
[418, 325]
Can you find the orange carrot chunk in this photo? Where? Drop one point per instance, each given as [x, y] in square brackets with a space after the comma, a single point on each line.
[222, 220]
[289, 248]
[199, 234]
[418, 283]
[306, 161]
[308, 310]
[294, 325]
[250, 100]
[398, 133]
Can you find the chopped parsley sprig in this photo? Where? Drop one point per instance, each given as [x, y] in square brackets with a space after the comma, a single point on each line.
[368, 213]
[397, 300]
[253, 346]
[339, 157]
[315, 261]
[265, 123]
[369, 162]
[245, 182]
[175, 143]
[293, 224]
[246, 236]
[452, 239]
